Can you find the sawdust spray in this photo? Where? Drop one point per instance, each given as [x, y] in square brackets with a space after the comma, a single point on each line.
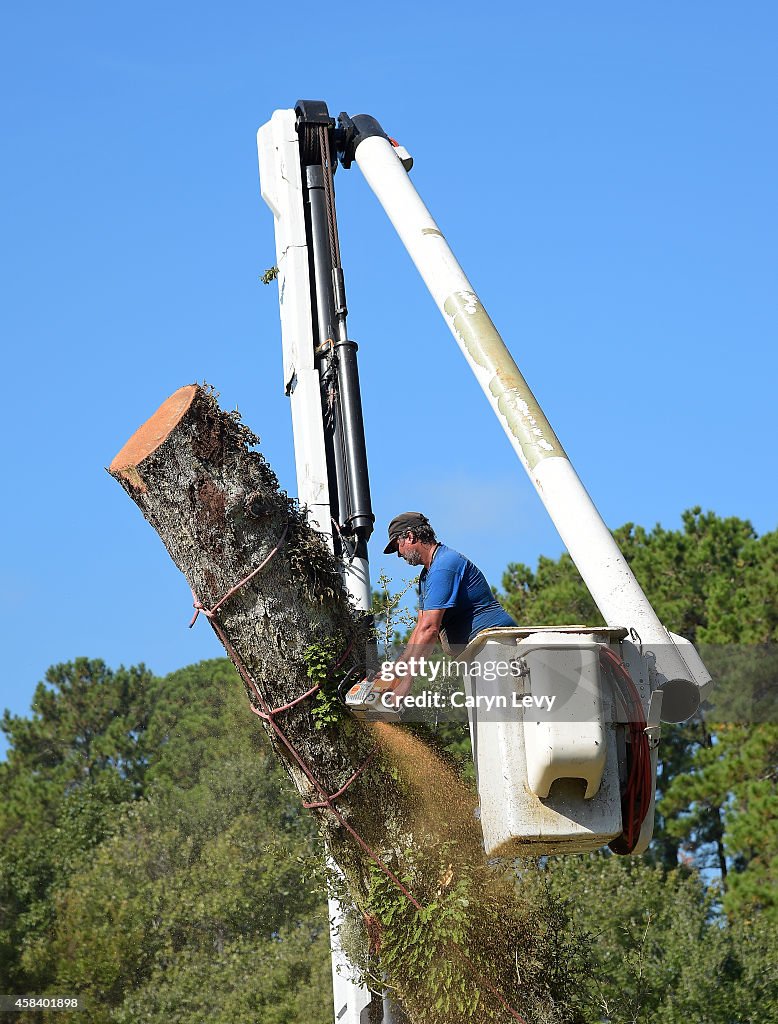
[488, 934]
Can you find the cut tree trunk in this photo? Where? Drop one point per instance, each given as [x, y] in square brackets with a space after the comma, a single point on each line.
[215, 502]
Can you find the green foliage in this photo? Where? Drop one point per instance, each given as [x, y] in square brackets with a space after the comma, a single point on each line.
[195, 876]
[71, 768]
[422, 949]
[269, 275]
[713, 581]
[553, 595]
[134, 873]
[86, 718]
[656, 943]
[321, 667]
[279, 982]
[735, 775]
[479, 940]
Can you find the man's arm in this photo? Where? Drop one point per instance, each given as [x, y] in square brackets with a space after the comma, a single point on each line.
[420, 644]
[425, 633]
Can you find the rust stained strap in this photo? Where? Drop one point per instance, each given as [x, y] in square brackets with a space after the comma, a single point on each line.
[210, 612]
[268, 715]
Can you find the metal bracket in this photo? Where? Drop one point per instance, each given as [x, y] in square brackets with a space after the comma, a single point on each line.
[653, 719]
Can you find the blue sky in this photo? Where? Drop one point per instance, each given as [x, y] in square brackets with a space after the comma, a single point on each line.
[606, 174]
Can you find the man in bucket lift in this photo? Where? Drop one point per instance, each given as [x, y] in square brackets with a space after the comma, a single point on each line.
[455, 604]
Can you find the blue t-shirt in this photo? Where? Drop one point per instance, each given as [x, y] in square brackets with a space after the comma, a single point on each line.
[452, 582]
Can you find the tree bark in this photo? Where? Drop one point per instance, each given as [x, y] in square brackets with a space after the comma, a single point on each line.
[215, 502]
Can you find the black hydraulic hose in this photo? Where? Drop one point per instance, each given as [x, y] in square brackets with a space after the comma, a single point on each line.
[360, 518]
[322, 293]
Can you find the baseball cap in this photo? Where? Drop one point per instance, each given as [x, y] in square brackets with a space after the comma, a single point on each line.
[398, 526]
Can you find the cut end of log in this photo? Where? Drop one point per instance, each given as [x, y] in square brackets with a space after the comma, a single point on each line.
[150, 436]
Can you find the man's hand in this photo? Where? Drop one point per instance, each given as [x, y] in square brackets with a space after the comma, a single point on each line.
[377, 699]
[396, 686]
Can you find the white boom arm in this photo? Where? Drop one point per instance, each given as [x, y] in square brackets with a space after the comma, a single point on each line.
[611, 582]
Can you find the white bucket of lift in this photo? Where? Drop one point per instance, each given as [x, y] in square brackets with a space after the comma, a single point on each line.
[547, 770]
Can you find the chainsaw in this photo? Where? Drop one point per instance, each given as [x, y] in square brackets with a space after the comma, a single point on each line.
[365, 700]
